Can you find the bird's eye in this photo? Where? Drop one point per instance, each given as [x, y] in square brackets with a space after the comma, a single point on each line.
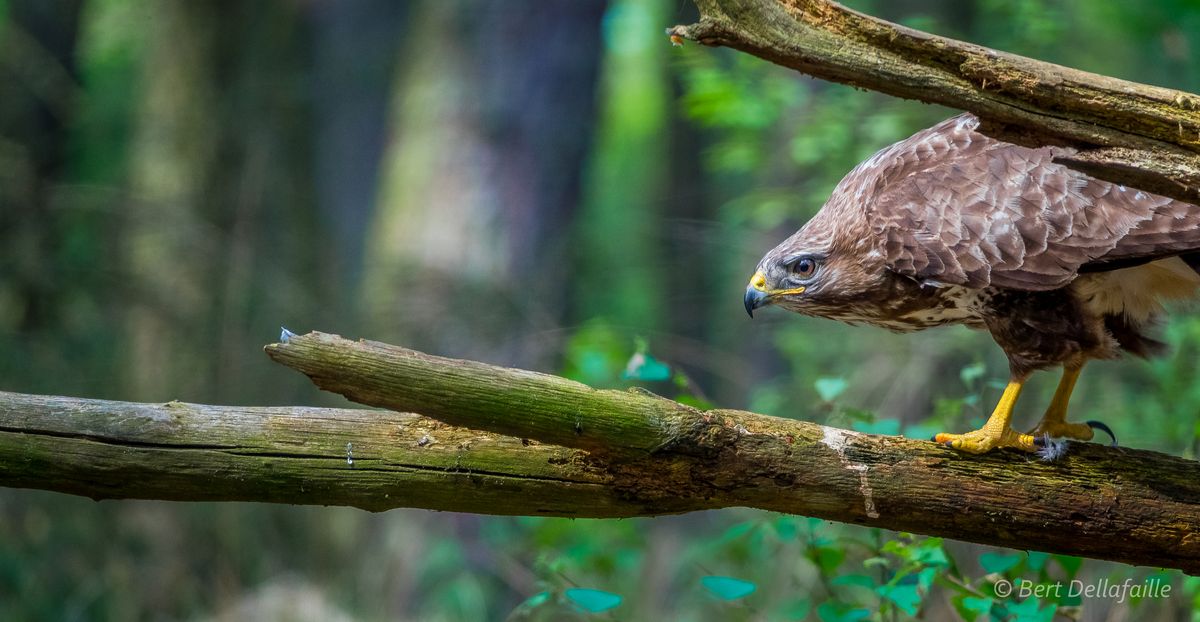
[804, 267]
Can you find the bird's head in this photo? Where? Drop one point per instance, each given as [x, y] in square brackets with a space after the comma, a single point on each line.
[789, 277]
[817, 271]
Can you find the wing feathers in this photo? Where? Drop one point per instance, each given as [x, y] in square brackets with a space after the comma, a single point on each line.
[953, 206]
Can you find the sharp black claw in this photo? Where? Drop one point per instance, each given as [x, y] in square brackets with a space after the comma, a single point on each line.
[1041, 441]
[1099, 425]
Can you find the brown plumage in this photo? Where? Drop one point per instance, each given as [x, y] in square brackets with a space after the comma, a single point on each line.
[951, 226]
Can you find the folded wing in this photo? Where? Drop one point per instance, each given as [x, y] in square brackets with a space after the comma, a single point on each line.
[952, 206]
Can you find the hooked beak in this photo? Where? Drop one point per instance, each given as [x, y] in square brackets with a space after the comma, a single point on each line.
[754, 299]
[756, 293]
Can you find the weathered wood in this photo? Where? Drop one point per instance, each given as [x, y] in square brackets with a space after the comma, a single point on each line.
[659, 456]
[1125, 505]
[468, 393]
[370, 459]
[1149, 137]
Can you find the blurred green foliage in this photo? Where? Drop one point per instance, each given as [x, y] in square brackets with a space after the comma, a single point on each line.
[694, 162]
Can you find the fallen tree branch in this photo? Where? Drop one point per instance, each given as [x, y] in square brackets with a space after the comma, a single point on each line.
[1143, 136]
[370, 459]
[645, 456]
[660, 456]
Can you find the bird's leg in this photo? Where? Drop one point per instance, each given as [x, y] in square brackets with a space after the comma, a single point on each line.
[998, 431]
[1054, 422]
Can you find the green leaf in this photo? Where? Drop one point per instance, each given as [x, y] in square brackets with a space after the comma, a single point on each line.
[1069, 563]
[646, 368]
[860, 580]
[830, 388]
[593, 365]
[976, 605]
[830, 611]
[536, 600]
[593, 601]
[926, 576]
[1029, 610]
[786, 528]
[897, 548]
[727, 588]
[906, 597]
[931, 553]
[595, 353]
[1036, 560]
[828, 559]
[971, 373]
[998, 562]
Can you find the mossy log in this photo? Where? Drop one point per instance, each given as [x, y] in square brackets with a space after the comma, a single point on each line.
[495, 440]
[1140, 135]
[370, 459]
[658, 456]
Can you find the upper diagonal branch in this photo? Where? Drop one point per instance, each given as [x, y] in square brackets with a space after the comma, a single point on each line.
[1126, 505]
[1150, 135]
[498, 399]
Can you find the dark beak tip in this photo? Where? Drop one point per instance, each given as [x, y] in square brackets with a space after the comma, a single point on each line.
[753, 300]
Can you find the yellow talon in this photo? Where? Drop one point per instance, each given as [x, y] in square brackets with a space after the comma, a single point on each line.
[997, 432]
[982, 441]
[1054, 422]
[1074, 431]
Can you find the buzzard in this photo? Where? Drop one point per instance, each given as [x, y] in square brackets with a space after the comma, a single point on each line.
[950, 226]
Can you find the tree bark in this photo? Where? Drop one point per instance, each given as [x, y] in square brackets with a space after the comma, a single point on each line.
[1143, 136]
[369, 459]
[482, 175]
[508, 441]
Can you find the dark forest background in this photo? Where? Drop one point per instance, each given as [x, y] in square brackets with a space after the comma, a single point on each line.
[545, 184]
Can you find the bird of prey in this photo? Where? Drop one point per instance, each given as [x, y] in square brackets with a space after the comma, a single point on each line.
[950, 226]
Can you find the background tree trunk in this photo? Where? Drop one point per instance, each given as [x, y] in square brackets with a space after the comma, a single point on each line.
[482, 175]
[219, 161]
[38, 79]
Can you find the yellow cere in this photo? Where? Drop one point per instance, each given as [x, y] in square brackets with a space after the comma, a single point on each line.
[759, 282]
